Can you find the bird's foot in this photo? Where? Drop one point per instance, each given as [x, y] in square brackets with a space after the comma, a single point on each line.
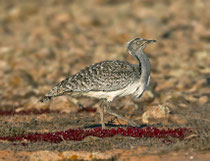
[112, 120]
[103, 125]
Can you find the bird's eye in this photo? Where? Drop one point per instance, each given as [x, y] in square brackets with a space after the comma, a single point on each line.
[138, 43]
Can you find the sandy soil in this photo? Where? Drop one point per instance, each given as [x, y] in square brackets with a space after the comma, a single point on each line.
[42, 42]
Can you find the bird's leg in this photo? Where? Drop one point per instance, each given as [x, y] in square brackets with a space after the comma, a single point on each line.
[108, 110]
[101, 112]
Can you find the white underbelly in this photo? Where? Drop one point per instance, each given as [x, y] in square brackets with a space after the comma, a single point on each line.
[110, 95]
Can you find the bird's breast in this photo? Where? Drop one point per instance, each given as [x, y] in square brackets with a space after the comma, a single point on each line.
[141, 88]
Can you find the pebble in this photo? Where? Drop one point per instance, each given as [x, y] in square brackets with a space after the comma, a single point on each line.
[203, 100]
[155, 112]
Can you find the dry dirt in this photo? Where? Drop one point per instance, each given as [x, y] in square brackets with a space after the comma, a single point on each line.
[42, 42]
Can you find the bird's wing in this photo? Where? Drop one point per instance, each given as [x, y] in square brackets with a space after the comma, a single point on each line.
[103, 76]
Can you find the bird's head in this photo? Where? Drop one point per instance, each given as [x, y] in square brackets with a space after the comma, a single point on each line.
[137, 44]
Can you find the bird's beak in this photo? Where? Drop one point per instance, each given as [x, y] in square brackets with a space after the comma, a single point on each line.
[150, 41]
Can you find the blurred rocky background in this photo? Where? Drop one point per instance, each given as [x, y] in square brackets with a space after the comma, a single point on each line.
[42, 42]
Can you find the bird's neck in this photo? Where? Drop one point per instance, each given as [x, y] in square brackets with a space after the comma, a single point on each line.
[144, 65]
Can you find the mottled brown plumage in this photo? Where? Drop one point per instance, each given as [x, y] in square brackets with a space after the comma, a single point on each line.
[105, 76]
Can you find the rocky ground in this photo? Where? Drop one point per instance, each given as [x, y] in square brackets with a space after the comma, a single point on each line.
[42, 42]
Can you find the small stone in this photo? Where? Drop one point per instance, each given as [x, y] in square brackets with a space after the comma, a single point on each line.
[203, 100]
[191, 99]
[62, 18]
[183, 105]
[156, 112]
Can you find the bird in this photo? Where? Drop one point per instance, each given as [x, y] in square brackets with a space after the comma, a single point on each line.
[109, 79]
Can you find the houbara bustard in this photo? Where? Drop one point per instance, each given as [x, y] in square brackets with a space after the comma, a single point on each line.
[108, 79]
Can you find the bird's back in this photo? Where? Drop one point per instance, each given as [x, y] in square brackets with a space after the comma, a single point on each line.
[105, 76]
